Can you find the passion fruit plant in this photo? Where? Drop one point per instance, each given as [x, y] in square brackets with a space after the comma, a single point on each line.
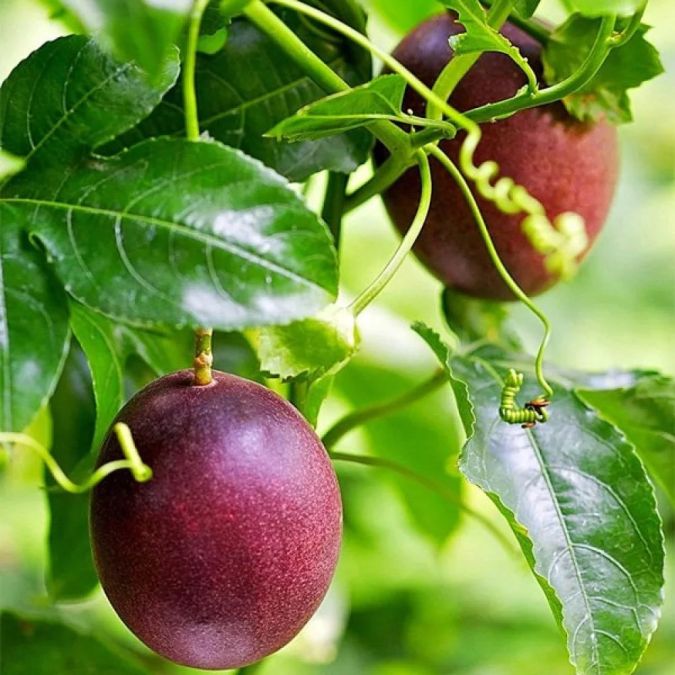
[149, 192]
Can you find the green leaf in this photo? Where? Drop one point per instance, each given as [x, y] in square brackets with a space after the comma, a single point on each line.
[605, 7]
[606, 95]
[69, 97]
[33, 327]
[479, 35]
[379, 99]
[403, 15]
[237, 108]
[101, 341]
[70, 573]
[9, 164]
[583, 510]
[134, 30]
[195, 234]
[37, 647]
[311, 348]
[644, 412]
[423, 437]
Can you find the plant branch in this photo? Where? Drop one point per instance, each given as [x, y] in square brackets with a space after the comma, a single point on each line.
[189, 95]
[534, 28]
[430, 484]
[334, 204]
[390, 269]
[355, 419]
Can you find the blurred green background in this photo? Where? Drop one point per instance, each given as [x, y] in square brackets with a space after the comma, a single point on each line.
[402, 603]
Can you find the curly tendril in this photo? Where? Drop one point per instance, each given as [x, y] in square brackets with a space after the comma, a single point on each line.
[560, 242]
[133, 462]
[534, 411]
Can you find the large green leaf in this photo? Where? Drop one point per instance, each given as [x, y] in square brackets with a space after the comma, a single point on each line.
[250, 85]
[645, 412]
[68, 97]
[35, 647]
[606, 94]
[33, 327]
[134, 30]
[417, 437]
[193, 233]
[70, 573]
[583, 510]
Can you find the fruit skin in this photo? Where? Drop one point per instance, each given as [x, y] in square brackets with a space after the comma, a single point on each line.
[566, 164]
[223, 556]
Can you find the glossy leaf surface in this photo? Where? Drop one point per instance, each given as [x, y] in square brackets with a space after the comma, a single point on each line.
[196, 233]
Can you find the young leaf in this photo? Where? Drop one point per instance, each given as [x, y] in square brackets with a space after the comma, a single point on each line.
[70, 573]
[479, 35]
[43, 647]
[606, 95]
[312, 347]
[69, 97]
[379, 99]
[134, 30]
[200, 235]
[583, 510]
[249, 86]
[604, 7]
[644, 411]
[33, 327]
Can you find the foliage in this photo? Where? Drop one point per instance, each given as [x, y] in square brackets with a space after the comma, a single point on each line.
[119, 236]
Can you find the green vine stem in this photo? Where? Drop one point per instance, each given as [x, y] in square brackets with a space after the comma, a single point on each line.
[499, 265]
[355, 419]
[203, 354]
[133, 462]
[334, 204]
[390, 269]
[459, 66]
[430, 484]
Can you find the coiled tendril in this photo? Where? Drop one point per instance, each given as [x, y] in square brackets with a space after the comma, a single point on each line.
[561, 242]
[532, 412]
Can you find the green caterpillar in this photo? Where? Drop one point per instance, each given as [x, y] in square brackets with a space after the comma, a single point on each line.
[534, 411]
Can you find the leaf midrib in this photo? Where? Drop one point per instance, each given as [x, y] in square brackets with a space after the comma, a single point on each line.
[184, 230]
[563, 525]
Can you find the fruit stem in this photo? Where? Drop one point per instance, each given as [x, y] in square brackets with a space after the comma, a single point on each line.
[359, 417]
[430, 484]
[189, 94]
[133, 462]
[203, 356]
[395, 262]
[334, 204]
[499, 265]
[582, 76]
[262, 16]
[459, 66]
